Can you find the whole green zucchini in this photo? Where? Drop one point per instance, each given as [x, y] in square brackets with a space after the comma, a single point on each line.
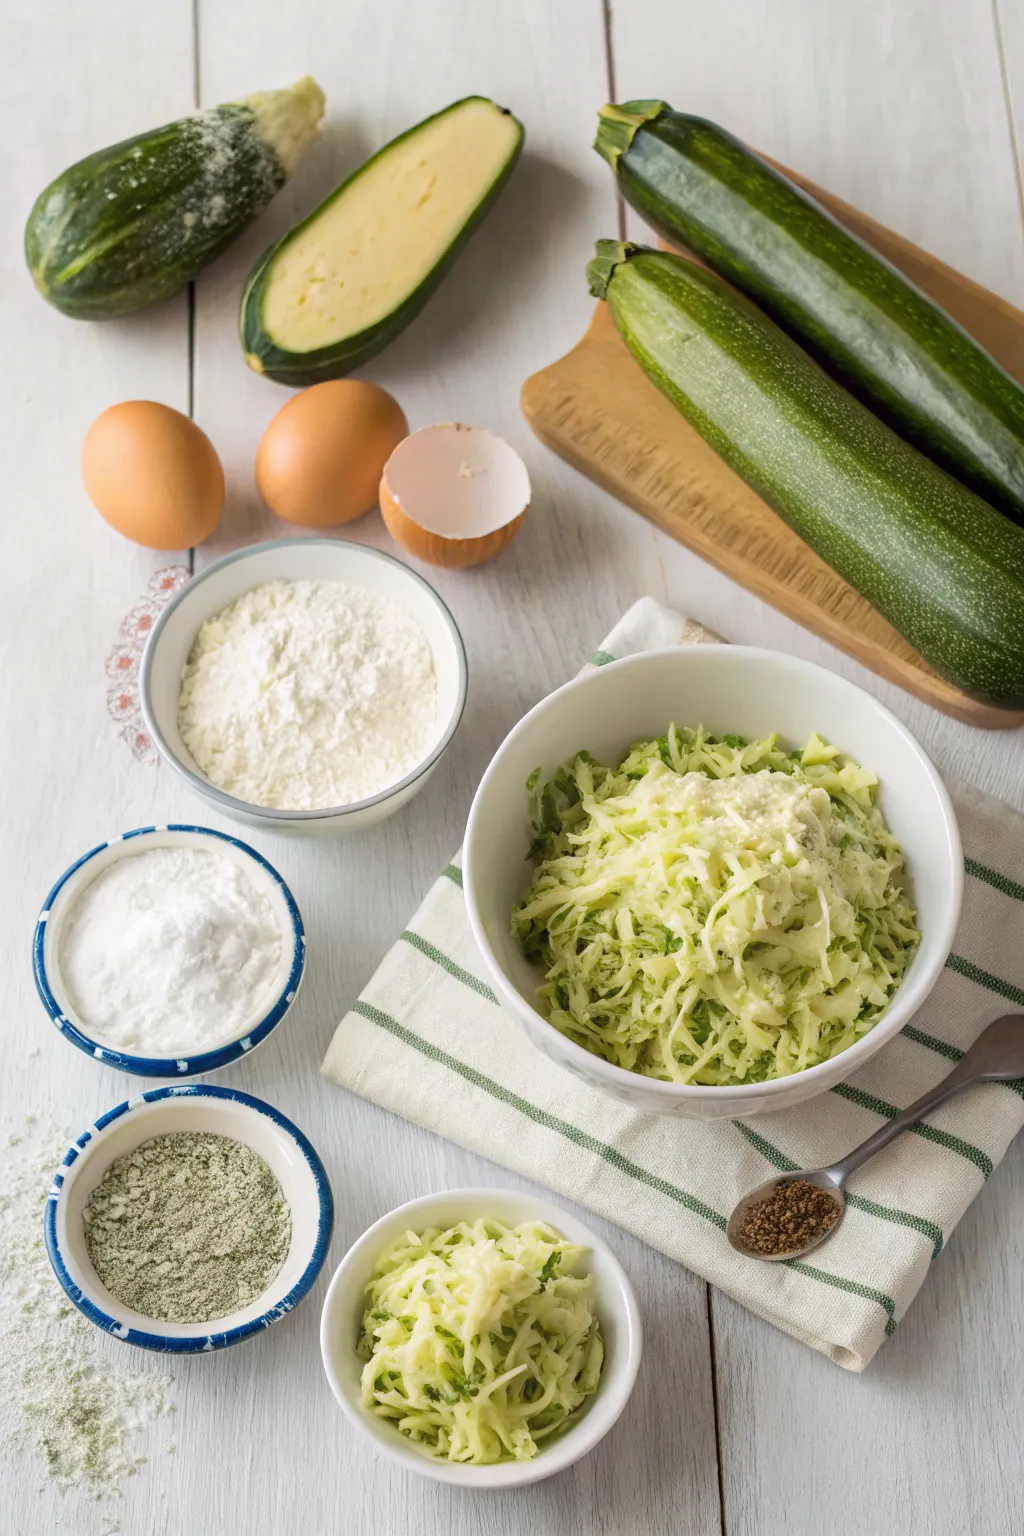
[340, 286]
[945, 568]
[135, 223]
[881, 336]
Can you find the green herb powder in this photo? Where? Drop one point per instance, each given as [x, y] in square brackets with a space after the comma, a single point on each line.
[188, 1227]
[75, 1397]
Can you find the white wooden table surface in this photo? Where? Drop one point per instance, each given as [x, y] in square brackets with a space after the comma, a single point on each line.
[907, 108]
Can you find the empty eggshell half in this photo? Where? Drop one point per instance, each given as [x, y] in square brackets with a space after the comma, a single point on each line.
[454, 495]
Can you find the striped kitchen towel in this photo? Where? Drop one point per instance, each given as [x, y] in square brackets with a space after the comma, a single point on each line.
[428, 1040]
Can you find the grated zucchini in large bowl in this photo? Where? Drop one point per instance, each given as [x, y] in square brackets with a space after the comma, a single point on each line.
[480, 1341]
[715, 910]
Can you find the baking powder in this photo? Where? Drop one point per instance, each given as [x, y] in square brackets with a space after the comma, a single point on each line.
[170, 951]
[302, 695]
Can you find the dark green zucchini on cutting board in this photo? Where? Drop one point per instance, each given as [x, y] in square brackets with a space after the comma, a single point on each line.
[907, 359]
[944, 567]
[340, 286]
[133, 224]
[596, 409]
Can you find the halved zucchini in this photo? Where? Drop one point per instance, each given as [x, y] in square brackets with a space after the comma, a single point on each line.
[341, 285]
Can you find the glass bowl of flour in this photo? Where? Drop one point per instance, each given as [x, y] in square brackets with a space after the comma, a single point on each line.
[307, 685]
[169, 951]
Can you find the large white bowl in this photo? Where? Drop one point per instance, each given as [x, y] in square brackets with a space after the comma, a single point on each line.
[727, 688]
[298, 559]
[614, 1303]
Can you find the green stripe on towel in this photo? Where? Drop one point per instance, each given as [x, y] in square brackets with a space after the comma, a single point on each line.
[973, 1154]
[992, 877]
[539, 1116]
[952, 1053]
[434, 954]
[867, 1291]
[932, 1043]
[995, 984]
[855, 1095]
[601, 1149]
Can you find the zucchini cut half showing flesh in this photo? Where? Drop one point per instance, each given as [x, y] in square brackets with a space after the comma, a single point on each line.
[341, 285]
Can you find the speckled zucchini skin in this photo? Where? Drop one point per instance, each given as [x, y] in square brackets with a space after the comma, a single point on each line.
[944, 567]
[861, 318]
[341, 357]
[135, 223]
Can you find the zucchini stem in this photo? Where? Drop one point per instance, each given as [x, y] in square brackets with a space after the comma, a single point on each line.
[616, 126]
[289, 120]
[608, 255]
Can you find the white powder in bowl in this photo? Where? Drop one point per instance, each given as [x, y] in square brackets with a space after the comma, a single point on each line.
[170, 951]
[304, 695]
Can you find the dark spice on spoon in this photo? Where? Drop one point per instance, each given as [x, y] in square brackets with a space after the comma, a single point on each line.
[795, 1213]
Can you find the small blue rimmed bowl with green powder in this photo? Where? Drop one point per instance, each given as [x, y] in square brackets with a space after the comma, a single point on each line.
[189, 1218]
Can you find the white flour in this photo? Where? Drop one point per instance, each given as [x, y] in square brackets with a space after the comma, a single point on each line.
[308, 694]
[170, 951]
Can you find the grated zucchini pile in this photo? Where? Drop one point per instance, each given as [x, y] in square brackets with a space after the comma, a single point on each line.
[714, 910]
[480, 1341]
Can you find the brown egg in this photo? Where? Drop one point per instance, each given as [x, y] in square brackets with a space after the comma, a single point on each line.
[153, 475]
[320, 460]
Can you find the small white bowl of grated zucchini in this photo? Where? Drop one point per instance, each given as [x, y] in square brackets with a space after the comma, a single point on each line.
[712, 880]
[481, 1337]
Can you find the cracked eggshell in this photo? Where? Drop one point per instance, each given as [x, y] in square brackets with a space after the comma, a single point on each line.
[454, 495]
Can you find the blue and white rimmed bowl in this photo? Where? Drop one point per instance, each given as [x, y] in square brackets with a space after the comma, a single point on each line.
[190, 1107]
[271, 1008]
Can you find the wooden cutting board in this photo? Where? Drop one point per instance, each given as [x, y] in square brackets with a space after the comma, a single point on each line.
[596, 408]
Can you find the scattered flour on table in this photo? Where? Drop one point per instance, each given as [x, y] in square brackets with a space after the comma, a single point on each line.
[302, 695]
[62, 1393]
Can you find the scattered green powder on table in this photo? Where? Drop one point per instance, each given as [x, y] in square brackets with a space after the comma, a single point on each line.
[75, 1397]
[188, 1227]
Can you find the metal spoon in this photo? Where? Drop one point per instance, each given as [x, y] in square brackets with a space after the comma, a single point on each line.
[997, 1056]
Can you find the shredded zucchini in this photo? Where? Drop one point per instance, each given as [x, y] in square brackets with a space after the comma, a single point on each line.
[714, 910]
[481, 1341]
